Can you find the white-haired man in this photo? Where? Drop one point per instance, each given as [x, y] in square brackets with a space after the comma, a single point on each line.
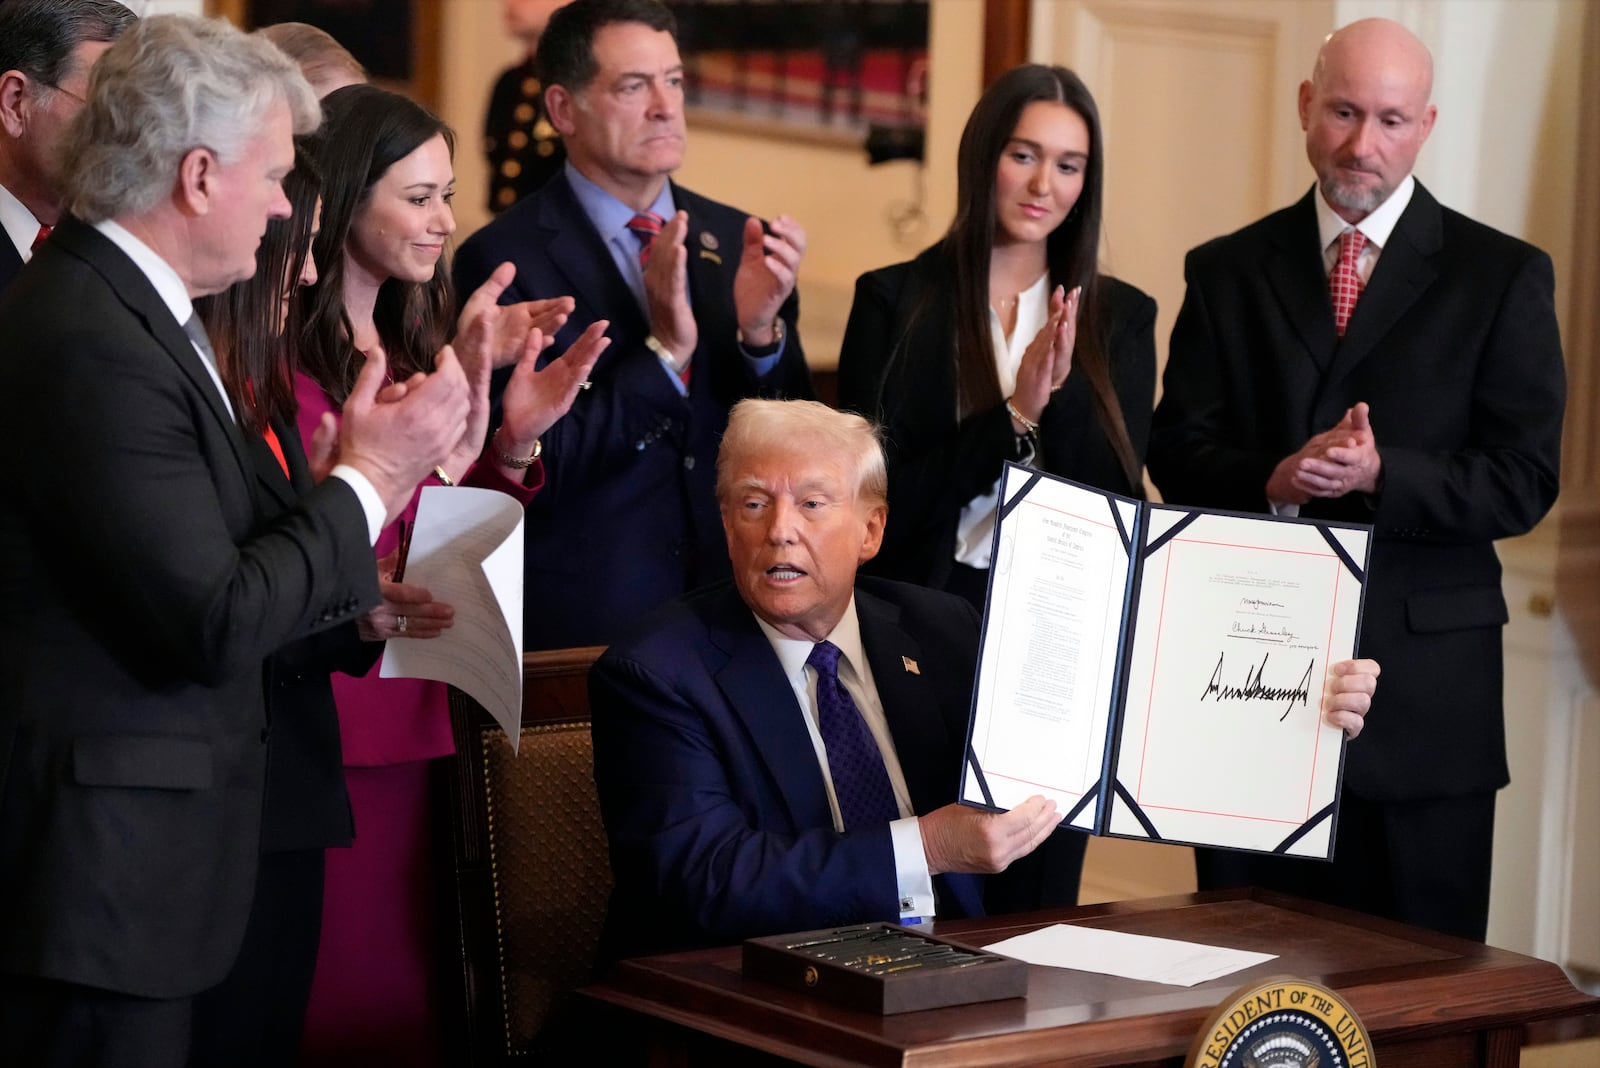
[145, 586]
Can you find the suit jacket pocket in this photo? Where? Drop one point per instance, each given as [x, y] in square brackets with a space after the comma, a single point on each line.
[149, 761]
[1429, 611]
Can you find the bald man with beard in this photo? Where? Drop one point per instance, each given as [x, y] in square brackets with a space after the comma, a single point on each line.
[1367, 354]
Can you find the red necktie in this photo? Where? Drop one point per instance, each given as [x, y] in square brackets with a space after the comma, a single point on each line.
[1344, 284]
[646, 226]
[44, 232]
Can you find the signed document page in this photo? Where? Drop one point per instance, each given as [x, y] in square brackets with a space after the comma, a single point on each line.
[1236, 620]
[1048, 668]
[467, 550]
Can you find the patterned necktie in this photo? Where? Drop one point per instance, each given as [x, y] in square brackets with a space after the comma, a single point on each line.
[860, 781]
[1344, 284]
[646, 226]
[44, 234]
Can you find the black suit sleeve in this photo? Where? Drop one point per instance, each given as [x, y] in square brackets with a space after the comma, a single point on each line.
[687, 838]
[133, 491]
[1198, 452]
[1504, 475]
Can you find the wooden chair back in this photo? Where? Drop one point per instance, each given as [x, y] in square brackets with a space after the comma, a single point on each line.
[529, 876]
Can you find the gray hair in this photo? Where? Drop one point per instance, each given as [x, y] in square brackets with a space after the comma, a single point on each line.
[171, 84]
[756, 426]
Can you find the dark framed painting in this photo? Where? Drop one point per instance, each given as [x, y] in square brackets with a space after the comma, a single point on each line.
[829, 70]
[396, 40]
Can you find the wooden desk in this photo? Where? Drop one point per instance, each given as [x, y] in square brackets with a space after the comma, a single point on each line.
[1426, 999]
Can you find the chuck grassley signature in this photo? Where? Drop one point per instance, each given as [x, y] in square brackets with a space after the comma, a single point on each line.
[1256, 689]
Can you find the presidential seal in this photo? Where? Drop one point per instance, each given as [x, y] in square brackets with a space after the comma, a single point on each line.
[1282, 1023]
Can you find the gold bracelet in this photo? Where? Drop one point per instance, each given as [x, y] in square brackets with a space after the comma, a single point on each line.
[521, 463]
[438, 473]
[1028, 424]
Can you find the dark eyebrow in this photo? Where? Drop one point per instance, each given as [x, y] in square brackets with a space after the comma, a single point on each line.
[1038, 149]
[646, 75]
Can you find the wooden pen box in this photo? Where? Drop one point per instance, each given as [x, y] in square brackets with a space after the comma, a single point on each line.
[884, 968]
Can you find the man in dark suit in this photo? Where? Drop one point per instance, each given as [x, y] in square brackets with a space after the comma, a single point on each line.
[728, 808]
[783, 752]
[1431, 410]
[46, 50]
[627, 518]
[147, 579]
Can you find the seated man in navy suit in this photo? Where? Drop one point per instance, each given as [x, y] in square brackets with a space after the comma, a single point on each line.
[783, 752]
[702, 308]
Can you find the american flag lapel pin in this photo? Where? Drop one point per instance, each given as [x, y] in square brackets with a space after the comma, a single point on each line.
[911, 665]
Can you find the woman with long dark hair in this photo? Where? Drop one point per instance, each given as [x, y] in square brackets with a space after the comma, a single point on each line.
[386, 219]
[1004, 341]
[254, 1015]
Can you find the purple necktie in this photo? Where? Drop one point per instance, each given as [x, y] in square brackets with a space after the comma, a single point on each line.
[860, 781]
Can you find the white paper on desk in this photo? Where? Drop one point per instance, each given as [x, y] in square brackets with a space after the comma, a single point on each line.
[1154, 960]
[467, 549]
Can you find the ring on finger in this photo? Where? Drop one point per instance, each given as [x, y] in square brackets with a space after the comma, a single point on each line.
[585, 384]
[400, 623]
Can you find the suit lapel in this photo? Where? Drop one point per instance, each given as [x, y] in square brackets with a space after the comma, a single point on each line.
[709, 254]
[753, 682]
[10, 261]
[140, 297]
[269, 474]
[1295, 273]
[578, 251]
[1404, 272]
[909, 702]
[294, 454]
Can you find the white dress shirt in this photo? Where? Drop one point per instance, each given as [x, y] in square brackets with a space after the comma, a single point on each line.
[915, 884]
[975, 528]
[19, 224]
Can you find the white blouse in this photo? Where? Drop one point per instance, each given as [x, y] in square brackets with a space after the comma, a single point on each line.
[975, 529]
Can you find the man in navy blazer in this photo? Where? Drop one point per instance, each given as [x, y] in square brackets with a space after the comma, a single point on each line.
[1433, 414]
[627, 518]
[46, 50]
[720, 798]
[720, 779]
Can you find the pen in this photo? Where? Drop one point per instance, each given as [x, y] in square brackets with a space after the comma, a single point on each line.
[844, 934]
[405, 550]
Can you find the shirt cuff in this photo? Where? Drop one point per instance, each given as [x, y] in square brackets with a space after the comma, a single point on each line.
[761, 366]
[1284, 509]
[371, 503]
[911, 871]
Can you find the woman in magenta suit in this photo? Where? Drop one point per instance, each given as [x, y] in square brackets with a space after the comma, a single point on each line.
[386, 219]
